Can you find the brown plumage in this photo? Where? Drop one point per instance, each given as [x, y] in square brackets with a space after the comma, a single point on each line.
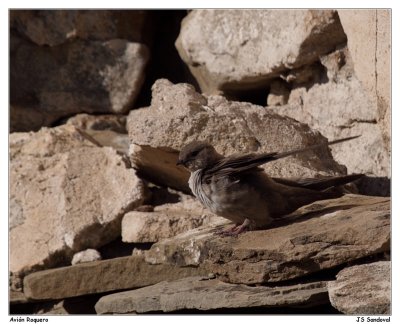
[236, 188]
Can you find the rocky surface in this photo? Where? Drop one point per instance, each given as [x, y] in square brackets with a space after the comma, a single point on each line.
[57, 79]
[230, 49]
[101, 276]
[102, 182]
[339, 108]
[61, 203]
[372, 60]
[55, 27]
[167, 220]
[362, 289]
[326, 234]
[88, 255]
[201, 293]
[179, 115]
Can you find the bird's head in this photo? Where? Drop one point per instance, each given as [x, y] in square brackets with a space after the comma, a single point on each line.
[198, 155]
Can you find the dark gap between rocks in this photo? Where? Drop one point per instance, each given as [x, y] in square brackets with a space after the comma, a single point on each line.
[165, 61]
[117, 248]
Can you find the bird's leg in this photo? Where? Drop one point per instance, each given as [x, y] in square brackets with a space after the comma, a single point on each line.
[222, 231]
[238, 229]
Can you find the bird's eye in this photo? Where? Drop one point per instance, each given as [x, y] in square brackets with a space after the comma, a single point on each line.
[194, 153]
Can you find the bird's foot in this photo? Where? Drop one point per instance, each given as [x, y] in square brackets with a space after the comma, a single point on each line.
[236, 230]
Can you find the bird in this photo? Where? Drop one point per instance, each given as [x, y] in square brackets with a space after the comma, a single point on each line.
[236, 188]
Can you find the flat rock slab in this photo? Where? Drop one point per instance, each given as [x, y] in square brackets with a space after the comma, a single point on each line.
[165, 221]
[201, 293]
[321, 235]
[101, 276]
[362, 289]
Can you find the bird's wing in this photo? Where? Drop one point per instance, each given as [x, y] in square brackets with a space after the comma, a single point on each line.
[240, 163]
[319, 183]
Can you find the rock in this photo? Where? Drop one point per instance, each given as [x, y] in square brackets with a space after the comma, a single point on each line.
[372, 60]
[164, 221]
[201, 293]
[81, 76]
[340, 107]
[319, 236]
[88, 255]
[362, 289]
[55, 27]
[105, 130]
[115, 123]
[179, 115]
[278, 94]
[66, 195]
[244, 49]
[101, 276]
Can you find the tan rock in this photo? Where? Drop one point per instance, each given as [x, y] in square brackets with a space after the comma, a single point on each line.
[88, 255]
[179, 115]
[66, 195]
[362, 289]
[165, 221]
[53, 82]
[340, 108]
[101, 276]
[116, 123]
[319, 236]
[201, 293]
[239, 49]
[372, 59]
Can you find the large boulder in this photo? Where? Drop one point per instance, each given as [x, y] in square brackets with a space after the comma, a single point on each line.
[232, 50]
[50, 83]
[179, 115]
[66, 195]
[55, 27]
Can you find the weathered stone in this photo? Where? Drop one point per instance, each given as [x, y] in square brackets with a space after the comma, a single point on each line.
[278, 94]
[164, 221]
[178, 115]
[88, 255]
[101, 276]
[362, 289]
[372, 59]
[319, 236]
[66, 195]
[201, 293]
[54, 27]
[236, 49]
[116, 123]
[81, 76]
[338, 108]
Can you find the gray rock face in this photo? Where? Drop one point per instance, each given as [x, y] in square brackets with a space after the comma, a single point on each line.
[101, 276]
[66, 195]
[81, 76]
[165, 221]
[242, 49]
[204, 294]
[337, 231]
[362, 289]
[179, 115]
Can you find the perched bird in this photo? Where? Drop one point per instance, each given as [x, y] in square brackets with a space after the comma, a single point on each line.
[236, 188]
